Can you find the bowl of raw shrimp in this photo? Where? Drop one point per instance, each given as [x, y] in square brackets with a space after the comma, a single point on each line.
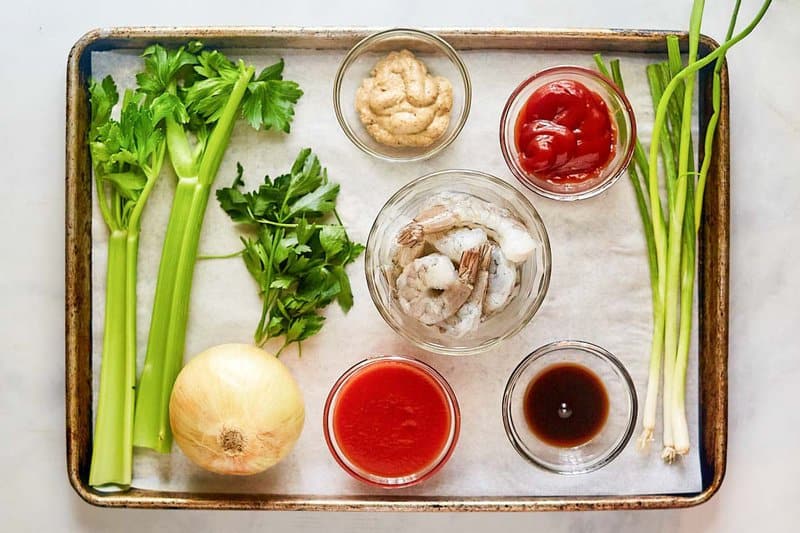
[457, 261]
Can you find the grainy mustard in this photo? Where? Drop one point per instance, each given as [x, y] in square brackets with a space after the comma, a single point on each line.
[401, 104]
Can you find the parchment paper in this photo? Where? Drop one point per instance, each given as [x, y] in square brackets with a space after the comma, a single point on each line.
[599, 293]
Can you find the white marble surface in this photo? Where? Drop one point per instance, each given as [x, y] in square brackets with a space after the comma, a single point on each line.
[760, 490]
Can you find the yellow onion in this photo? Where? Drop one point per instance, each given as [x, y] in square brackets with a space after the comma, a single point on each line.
[236, 409]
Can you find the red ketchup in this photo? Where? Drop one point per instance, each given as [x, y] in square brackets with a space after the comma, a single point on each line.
[392, 419]
[564, 133]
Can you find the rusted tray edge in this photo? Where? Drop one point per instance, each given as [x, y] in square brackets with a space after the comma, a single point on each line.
[337, 38]
[713, 269]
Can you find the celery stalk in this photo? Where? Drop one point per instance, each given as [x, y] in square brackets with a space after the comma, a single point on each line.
[171, 303]
[147, 432]
[112, 449]
[127, 155]
[201, 95]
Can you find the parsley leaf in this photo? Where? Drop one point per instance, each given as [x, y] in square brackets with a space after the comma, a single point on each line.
[233, 201]
[298, 257]
[333, 239]
[316, 203]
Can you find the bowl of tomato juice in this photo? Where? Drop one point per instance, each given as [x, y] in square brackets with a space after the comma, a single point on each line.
[391, 421]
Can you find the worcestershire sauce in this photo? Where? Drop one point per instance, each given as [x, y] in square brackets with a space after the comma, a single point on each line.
[566, 405]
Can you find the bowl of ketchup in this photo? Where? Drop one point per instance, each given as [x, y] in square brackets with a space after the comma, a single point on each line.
[567, 133]
[391, 421]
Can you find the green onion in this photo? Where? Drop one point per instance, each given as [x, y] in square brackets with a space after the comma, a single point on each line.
[674, 243]
[672, 236]
[692, 225]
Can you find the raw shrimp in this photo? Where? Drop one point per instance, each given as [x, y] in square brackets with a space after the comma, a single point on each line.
[468, 317]
[459, 209]
[454, 242]
[502, 281]
[430, 290]
[451, 243]
[401, 256]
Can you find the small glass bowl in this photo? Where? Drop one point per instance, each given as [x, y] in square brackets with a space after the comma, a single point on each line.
[403, 206]
[365, 476]
[441, 60]
[621, 113]
[603, 447]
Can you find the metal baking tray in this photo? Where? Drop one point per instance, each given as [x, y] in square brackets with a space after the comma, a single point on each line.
[712, 291]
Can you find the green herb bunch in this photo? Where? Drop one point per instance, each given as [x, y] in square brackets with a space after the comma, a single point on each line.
[300, 250]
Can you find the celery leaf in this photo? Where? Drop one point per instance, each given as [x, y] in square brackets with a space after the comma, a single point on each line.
[269, 102]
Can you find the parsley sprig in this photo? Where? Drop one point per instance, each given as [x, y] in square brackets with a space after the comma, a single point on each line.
[299, 253]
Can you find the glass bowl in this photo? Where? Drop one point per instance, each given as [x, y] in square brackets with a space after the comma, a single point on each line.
[603, 447]
[364, 475]
[441, 60]
[622, 118]
[403, 206]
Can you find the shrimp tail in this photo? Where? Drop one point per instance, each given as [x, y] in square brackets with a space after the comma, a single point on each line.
[486, 256]
[410, 235]
[469, 315]
[472, 261]
[432, 220]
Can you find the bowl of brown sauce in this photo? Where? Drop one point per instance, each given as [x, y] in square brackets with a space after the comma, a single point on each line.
[570, 407]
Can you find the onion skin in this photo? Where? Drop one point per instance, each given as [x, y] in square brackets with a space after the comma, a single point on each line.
[236, 409]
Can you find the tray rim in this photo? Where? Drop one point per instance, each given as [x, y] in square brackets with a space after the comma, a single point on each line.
[713, 290]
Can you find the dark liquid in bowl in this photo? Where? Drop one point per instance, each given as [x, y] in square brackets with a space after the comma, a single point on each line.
[566, 405]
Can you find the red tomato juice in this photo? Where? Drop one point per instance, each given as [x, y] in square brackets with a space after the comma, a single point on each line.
[392, 419]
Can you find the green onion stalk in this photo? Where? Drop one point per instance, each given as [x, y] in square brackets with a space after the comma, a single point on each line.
[674, 243]
[692, 226]
[671, 235]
